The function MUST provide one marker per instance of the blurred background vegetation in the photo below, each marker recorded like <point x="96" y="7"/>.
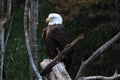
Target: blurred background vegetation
<point x="99" y="20"/>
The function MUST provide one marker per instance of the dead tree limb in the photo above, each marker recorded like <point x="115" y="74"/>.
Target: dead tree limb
<point x="61" y="55"/>
<point x="115" y="76"/>
<point x="58" y="72"/>
<point x="9" y="30"/>
<point x="1" y="50"/>
<point x="33" y="24"/>
<point x="28" y="42"/>
<point x="2" y="24"/>
<point x="96" y="54"/>
<point x="8" y="35"/>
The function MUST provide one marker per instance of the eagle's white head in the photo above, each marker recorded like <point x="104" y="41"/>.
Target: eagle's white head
<point x="54" y="18"/>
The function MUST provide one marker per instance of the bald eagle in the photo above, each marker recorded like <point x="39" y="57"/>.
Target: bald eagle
<point x="56" y="37"/>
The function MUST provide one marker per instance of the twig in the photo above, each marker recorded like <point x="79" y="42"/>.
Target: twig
<point x="7" y="37"/>
<point x="115" y="76"/>
<point x="61" y="55"/>
<point x="28" y="43"/>
<point x="96" y="54"/>
<point x="8" y="33"/>
<point x="58" y="50"/>
<point x="11" y="57"/>
<point x="9" y="8"/>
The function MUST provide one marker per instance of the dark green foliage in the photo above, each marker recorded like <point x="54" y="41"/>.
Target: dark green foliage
<point x="16" y="56"/>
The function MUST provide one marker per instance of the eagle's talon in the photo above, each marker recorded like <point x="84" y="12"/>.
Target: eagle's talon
<point x="67" y="45"/>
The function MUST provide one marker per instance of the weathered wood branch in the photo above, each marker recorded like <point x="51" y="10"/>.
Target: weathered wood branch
<point x="1" y="50"/>
<point x="115" y="76"/>
<point x="33" y="24"/>
<point x="9" y="30"/>
<point x="96" y="54"/>
<point x="61" y="55"/>
<point x="7" y="18"/>
<point x="28" y="42"/>
<point x="58" y="72"/>
<point x="2" y="24"/>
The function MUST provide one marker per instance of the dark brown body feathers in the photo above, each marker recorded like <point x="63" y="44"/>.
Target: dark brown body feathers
<point x="56" y="36"/>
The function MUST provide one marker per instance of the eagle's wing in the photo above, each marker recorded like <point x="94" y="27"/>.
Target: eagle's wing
<point x="43" y="37"/>
<point x="61" y="37"/>
<point x="57" y="38"/>
<point x="48" y="42"/>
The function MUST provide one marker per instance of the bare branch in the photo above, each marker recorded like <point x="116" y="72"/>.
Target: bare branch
<point x="9" y="2"/>
<point x="58" y="50"/>
<point x="1" y="50"/>
<point x="28" y="43"/>
<point x="2" y="44"/>
<point x="115" y="76"/>
<point x="61" y="55"/>
<point x="33" y="24"/>
<point x="58" y="71"/>
<point x="7" y="18"/>
<point x="96" y="54"/>
<point x="8" y="33"/>
<point x="4" y="22"/>
<point x="7" y="36"/>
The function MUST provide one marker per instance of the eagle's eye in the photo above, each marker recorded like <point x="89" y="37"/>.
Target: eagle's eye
<point x="53" y="17"/>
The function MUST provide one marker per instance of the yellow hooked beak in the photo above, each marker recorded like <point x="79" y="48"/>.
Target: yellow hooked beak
<point x="48" y="19"/>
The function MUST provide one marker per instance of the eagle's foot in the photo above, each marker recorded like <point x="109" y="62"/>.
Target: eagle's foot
<point x="67" y="45"/>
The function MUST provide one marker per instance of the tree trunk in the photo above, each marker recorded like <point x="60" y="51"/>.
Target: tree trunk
<point x="33" y="67"/>
<point x="33" y="35"/>
<point x="1" y="50"/>
<point x="1" y="40"/>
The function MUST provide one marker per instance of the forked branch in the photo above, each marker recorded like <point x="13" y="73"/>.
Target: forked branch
<point x="28" y="42"/>
<point x="7" y="18"/>
<point x="96" y="54"/>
